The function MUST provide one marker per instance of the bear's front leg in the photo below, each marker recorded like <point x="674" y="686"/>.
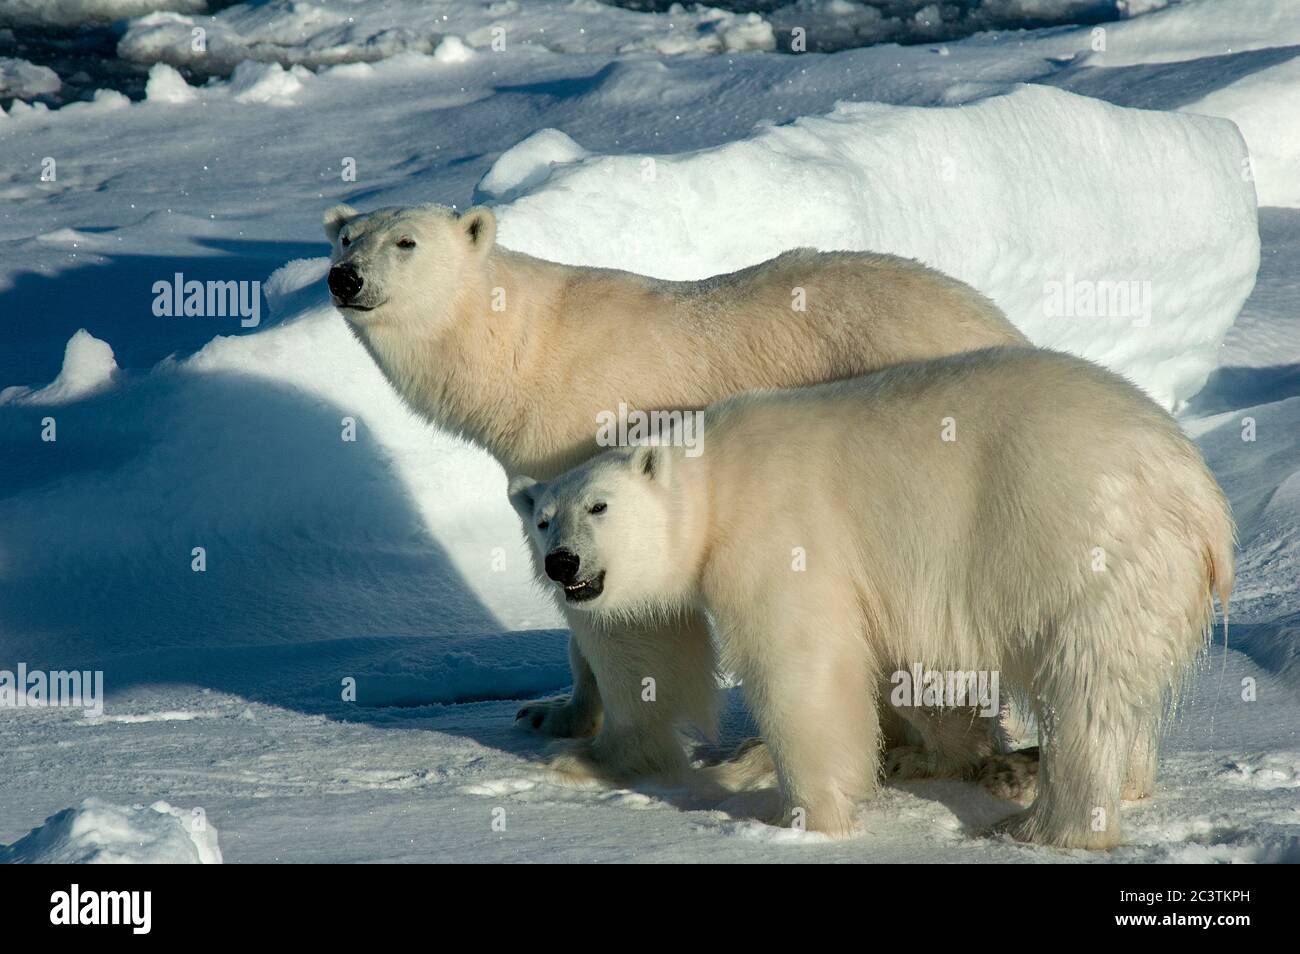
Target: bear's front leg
<point x="653" y="679"/>
<point x="575" y="716"/>
<point x="808" y="680"/>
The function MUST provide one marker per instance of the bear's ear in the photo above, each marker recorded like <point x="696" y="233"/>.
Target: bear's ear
<point x="336" y="218"/>
<point x="651" y="462"/>
<point x="480" y="227"/>
<point x="524" y="492"/>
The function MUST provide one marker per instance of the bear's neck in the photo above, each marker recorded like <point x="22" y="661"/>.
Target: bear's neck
<point x="475" y="375"/>
<point x="690" y="488"/>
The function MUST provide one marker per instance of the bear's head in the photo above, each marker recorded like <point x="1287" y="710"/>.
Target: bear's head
<point x="605" y="532"/>
<point x="397" y="265"/>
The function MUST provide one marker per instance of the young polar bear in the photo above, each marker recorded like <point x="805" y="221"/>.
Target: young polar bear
<point x="521" y="356"/>
<point x="1009" y="510"/>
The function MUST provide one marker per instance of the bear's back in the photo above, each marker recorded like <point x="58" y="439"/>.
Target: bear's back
<point x="1002" y="431"/>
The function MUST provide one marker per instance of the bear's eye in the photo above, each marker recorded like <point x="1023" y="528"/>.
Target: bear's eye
<point x="543" y="525"/>
<point x="406" y="243"/>
<point x="598" y="507"/>
<point x="345" y="241"/>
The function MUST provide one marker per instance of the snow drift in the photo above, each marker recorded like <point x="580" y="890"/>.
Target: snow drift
<point x="97" y="832"/>
<point x="1266" y="108"/>
<point x="1125" y="236"/>
<point x="88" y="367"/>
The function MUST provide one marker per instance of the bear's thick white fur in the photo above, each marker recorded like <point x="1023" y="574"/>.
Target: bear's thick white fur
<point x="519" y="355"/>
<point x="1068" y="536"/>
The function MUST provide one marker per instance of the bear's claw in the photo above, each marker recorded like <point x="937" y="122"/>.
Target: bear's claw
<point x="557" y="718"/>
<point x="1013" y="776"/>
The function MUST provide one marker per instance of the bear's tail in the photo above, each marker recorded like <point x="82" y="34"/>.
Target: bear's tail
<point x="1218" y="533"/>
<point x="1219" y="536"/>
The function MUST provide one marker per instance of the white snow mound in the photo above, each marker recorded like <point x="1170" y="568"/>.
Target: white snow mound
<point x="1266" y="108"/>
<point x="98" y="832"/>
<point x="1125" y="236"/>
<point x="166" y="85"/>
<point x="452" y="49"/>
<point x="254" y="82"/>
<point x="527" y="165"/>
<point x="88" y="367"/>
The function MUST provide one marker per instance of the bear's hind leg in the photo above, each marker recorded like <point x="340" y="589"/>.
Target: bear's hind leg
<point x="1084" y="731"/>
<point x="1143" y="756"/>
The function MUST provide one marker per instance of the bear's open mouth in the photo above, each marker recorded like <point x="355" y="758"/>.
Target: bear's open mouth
<point x="585" y="590"/>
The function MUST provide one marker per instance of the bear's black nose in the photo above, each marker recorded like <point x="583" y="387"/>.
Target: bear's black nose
<point x="344" y="282"/>
<point x="562" y="565"/>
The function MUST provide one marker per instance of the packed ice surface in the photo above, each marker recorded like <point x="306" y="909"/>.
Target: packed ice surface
<point x="339" y="31"/>
<point x="834" y="24"/>
<point x="97" y="832"/>
<point x="74" y="12"/>
<point x="339" y="684"/>
<point x="1057" y="207"/>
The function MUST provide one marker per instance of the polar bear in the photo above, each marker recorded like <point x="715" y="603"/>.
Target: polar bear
<point x="521" y="355"/>
<point x="1010" y="511"/>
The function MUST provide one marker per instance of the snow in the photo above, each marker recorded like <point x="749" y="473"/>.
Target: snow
<point x="524" y="166"/>
<point x="1193" y="29"/>
<point x="339" y="682"/>
<point x="97" y="832"/>
<point x="340" y="31"/>
<point x="452" y="49"/>
<point x="834" y="24"/>
<point x="266" y="83"/>
<point x="717" y="31"/>
<point x="166" y="85"/>
<point x="1266" y="108"/>
<point x="88" y="367"/>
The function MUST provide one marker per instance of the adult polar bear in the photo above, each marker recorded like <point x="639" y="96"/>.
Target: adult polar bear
<point x="520" y="355"/>
<point x="971" y="547"/>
